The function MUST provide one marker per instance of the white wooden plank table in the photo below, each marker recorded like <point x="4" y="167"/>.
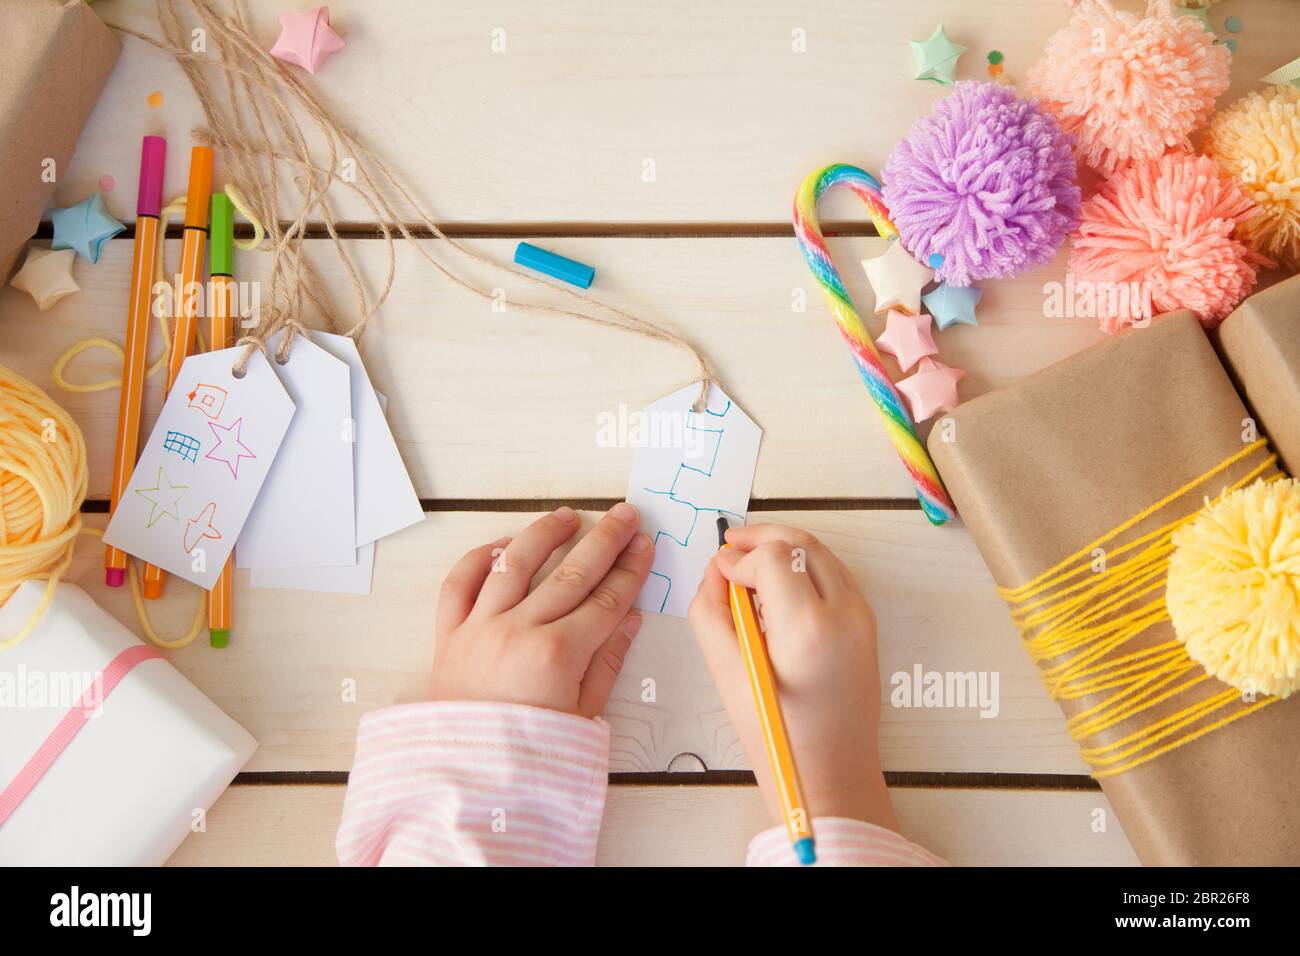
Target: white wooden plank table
<point x="661" y="142"/>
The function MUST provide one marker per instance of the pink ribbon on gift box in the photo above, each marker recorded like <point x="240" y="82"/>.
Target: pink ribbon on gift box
<point x="69" y="725"/>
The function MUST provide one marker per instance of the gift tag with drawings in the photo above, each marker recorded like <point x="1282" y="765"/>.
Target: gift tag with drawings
<point x="203" y="465"/>
<point x="305" y="515"/>
<point x="689" y="468"/>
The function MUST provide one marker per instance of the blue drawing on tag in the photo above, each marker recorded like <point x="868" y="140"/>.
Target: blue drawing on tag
<point x="179" y="443"/>
<point x="671" y="492"/>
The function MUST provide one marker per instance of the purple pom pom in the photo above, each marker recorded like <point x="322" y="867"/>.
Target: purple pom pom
<point x="987" y="181"/>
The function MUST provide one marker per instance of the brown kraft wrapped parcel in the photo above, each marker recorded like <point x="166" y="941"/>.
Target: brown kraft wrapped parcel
<point x="56" y="57"/>
<point x="1260" y="345"/>
<point x="1045" y="467"/>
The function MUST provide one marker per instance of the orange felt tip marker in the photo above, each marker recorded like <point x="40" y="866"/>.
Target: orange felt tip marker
<point x="753" y="650"/>
<point x="189" y="296"/>
<point x="153" y="157"/>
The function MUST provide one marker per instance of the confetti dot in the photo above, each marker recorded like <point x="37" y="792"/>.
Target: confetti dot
<point x="106" y="183"/>
<point x="1232" y="24"/>
<point x="155" y="99"/>
<point x="995" y="69"/>
<point x="936" y="260"/>
<point x="995" y="56"/>
<point x="1231" y="45"/>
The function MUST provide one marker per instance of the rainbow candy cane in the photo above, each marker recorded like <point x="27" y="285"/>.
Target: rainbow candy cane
<point x="936" y="504"/>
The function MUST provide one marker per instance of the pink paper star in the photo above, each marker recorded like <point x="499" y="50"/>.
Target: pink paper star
<point x="907" y="338"/>
<point x="228" y="443"/>
<point x="306" y="38"/>
<point x="933" y="389"/>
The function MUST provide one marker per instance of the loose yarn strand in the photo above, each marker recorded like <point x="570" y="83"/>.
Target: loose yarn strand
<point x="1078" y="633"/>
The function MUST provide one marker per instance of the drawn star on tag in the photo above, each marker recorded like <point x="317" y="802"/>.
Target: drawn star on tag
<point x="164" y="499"/>
<point x="229" y="444"/>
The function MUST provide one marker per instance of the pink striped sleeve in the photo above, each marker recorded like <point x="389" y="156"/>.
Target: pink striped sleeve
<point x="842" y="842"/>
<point x="474" y="784"/>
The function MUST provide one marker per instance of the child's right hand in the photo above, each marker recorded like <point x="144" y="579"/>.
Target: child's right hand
<point x="821" y="638"/>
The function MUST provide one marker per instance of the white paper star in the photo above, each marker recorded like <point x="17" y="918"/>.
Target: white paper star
<point x="46" y="276"/>
<point x="897" y="279"/>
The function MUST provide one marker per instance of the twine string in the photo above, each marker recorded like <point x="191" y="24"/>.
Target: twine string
<point x="255" y="126"/>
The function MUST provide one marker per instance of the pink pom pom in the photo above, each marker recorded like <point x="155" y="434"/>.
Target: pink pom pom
<point x="1167" y="223"/>
<point x="1129" y="87"/>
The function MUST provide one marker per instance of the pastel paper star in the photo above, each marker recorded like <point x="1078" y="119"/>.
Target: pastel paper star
<point x="84" y="227"/>
<point x="229" y="444"/>
<point x="907" y="338"/>
<point x="897" y="279"/>
<point x="306" y="38"/>
<point x="952" y="305"/>
<point x="46" y="276"/>
<point x="933" y="389"/>
<point x="164" y="498"/>
<point x="936" y="58"/>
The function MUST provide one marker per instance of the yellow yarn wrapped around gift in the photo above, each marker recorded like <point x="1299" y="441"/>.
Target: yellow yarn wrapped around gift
<point x="1256" y="141"/>
<point x="1234" y="588"/>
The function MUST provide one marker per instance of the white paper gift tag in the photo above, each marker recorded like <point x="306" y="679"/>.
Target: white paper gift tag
<point x="202" y="467"/>
<point x="386" y="500"/>
<point x="689" y="468"/>
<point x="350" y="579"/>
<point x="305" y="515"/>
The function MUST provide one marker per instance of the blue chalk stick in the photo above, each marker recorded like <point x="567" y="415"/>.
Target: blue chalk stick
<point x="575" y="273"/>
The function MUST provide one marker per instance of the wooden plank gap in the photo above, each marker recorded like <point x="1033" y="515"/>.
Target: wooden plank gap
<point x="99" y="506"/>
<point x="538" y="230"/>
<point x="911" y="779"/>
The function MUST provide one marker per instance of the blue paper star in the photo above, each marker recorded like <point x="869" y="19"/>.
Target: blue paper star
<point x="952" y="305"/>
<point x="84" y="227"/>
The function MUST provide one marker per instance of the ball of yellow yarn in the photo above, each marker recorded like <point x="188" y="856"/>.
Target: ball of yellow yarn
<point x="1256" y="141"/>
<point x="43" y="480"/>
<point x="1234" y="588"/>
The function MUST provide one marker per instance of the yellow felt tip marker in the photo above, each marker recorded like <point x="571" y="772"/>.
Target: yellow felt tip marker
<point x="753" y="651"/>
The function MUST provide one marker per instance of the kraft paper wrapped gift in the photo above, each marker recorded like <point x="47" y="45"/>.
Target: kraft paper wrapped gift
<point x="125" y="790"/>
<point x="1260" y="345"/>
<point x="1046" y="467"/>
<point x="56" y="57"/>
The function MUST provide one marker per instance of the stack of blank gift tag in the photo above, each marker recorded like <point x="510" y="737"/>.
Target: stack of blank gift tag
<point x="337" y="484"/>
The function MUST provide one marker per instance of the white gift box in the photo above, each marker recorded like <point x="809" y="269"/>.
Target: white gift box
<point x="128" y="787"/>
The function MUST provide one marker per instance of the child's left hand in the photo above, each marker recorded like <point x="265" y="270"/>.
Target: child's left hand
<point x="562" y="645"/>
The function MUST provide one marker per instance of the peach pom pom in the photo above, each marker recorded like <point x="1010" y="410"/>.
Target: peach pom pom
<point x="1129" y="87"/>
<point x="1234" y="588"/>
<point x="1256" y="141"/>
<point x="1168" y="223"/>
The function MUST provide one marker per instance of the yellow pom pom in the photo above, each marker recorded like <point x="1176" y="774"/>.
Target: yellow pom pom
<point x="1234" y="588"/>
<point x="1256" y="141"/>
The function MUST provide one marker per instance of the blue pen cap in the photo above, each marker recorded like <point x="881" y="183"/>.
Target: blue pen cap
<point x="805" y="850"/>
<point x="558" y="267"/>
